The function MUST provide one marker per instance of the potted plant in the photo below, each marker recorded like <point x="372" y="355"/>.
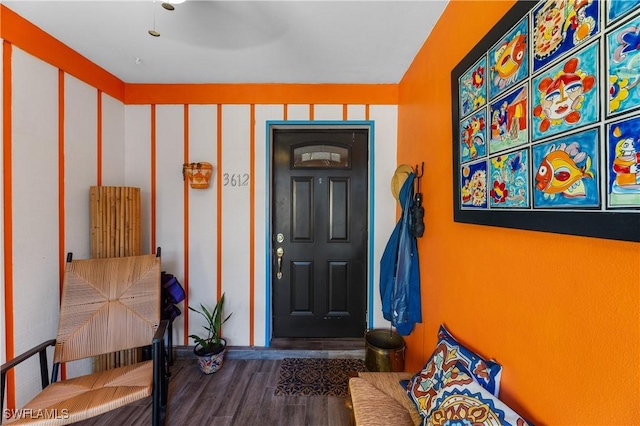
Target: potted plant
<point x="210" y="348"/>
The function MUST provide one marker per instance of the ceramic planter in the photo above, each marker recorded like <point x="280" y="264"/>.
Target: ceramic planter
<point x="212" y="362"/>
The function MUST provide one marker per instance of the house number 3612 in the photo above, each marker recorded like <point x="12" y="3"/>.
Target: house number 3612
<point x="235" y="179"/>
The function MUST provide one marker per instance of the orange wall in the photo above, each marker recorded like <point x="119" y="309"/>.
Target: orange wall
<point x="560" y="313"/>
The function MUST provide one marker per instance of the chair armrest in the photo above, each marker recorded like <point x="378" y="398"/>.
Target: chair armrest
<point x="26" y="355"/>
<point x="160" y="374"/>
<point x="4" y="368"/>
<point x="160" y="332"/>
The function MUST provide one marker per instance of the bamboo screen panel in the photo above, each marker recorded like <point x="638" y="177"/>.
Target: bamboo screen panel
<point x="115" y="232"/>
<point x="115" y="221"/>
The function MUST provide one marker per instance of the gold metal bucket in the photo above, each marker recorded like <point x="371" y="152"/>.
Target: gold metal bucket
<point x="384" y="350"/>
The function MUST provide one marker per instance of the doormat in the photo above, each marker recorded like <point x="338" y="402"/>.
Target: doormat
<point x="316" y="376"/>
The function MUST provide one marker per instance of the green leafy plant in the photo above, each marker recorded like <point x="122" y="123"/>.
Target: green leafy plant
<point x="212" y="342"/>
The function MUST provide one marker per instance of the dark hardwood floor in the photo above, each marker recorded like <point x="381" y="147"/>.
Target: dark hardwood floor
<point x="242" y="392"/>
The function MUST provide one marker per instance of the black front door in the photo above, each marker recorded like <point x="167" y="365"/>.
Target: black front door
<point x="319" y="225"/>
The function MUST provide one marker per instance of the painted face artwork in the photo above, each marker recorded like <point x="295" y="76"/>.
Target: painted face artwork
<point x="562" y="95"/>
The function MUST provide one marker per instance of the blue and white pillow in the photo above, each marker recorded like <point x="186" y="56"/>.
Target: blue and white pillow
<point x="465" y="402"/>
<point x="438" y="371"/>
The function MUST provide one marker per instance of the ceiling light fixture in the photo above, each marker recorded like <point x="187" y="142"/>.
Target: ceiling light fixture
<point x="171" y="5"/>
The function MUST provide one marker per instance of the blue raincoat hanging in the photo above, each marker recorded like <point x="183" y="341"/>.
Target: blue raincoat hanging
<point x="400" y="271"/>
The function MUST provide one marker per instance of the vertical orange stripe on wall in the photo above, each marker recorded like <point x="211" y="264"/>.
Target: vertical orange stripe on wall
<point x="252" y="219"/>
<point x="8" y="216"/>
<point x="344" y="112"/>
<point x="61" y="254"/>
<point x="99" y="140"/>
<point x="366" y="112"/>
<point x="219" y="202"/>
<point x="61" y="228"/>
<point x="311" y="112"/>
<point x="153" y="178"/>
<point x="185" y="281"/>
<point x="285" y="111"/>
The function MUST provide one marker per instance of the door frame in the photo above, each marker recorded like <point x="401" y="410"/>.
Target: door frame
<point x="324" y="124"/>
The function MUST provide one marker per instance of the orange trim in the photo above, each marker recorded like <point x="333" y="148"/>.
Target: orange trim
<point x="33" y="40"/>
<point x="61" y="227"/>
<point x="285" y="113"/>
<point x="261" y="93"/>
<point x="219" y="206"/>
<point x="311" y="112"/>
<point x="153" y="178"/>
<point x="345" y="112"/>
<point x="366" y="112"/>
<point x="7" y="183"/>
<point x="252" y="220"/>
<point x="185" y="281"/>
<point x="99" y="140"/>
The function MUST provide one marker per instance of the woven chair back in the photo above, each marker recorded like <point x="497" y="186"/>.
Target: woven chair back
<point x="108" y="305"/>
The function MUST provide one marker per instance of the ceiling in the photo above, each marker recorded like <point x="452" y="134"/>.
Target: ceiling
<point x="241" y="41"/>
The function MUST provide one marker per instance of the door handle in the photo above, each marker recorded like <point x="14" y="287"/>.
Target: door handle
<point x="279" y="254"/>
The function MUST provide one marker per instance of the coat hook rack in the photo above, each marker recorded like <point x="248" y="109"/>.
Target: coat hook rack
<point x="417" y="211"/>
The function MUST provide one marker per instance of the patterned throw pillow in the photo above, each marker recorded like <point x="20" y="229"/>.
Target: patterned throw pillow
<point x="464" y="402"/>
<point x="424" y="386"/>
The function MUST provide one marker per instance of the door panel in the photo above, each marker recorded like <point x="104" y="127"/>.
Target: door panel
<point x="319" y="205"/>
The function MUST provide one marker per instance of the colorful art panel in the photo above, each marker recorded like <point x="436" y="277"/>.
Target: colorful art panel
<point x="508" y="117"/>
<point x="473" y="88"/>
<point x="562" y="114"/>
<point x="623" y="153"/>
<point x="509" y="180"/>
<point x="620" y="8"/>
<point x="561" y="25"/>
<point x="509" y="59"/>
<point x="473" y="185"/>
<point x="567" y="172"/>
<point x="623" y="59"/>
<point x="473" y="136"/>
<point x="566" y="96"/>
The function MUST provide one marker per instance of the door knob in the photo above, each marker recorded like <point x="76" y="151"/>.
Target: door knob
<point x="279" y="254"/>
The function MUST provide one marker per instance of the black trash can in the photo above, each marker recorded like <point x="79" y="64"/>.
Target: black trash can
<point x="384" y="351"/>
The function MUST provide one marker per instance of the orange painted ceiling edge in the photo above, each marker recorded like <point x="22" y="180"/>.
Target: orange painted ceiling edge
<point x="28" y="37"/>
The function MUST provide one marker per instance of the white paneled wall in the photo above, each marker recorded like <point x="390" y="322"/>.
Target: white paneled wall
<point x="263" y="114"/>
<point x="327" y="112"/>
<point x="385" y="119"/>
<point x="137" y="170"/>
<point x="80" y="171"/>
<point x="170" y="193"/>
<point x="35" y="211"/>
<point x="203" y="128"/>
<point x="113" y="159"/>
<point x="297" y="112"/>
<point x="236" y="155"/>
<point x="80" y="158"/>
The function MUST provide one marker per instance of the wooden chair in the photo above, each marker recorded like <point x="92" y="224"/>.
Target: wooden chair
<point x="107" y="305"/>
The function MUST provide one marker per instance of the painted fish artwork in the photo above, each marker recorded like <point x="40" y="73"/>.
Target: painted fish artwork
<point x="561" y="25"/>
<point x="623" y="57"/>
<point x="620" y="8"/>
<point x="473" y="136"/>
<point x="508" y="120"/>
<point x="473" y="182"/>
<point x="623" y="153"/>
<point x="508" y="59"/>
<point x="509" y="180"/>
<point x="473" y="88"/>
<point x="566" y="96"/>
<point x="567" y="172"/>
